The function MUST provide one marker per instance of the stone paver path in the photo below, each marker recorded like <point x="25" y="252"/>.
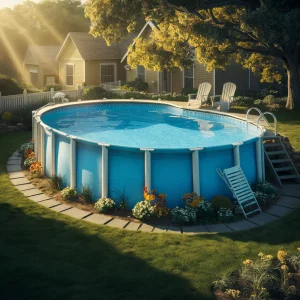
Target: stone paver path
<point x="290" y="199"/>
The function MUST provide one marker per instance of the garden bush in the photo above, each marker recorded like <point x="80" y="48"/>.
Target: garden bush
<point x="104" y="205"/>
<point x="55" y="86"/>
<point x="87" y="194"/>
<point x="184" y="215"/>
<point x="218" y="202"/>
<point x="69" y="194"/>
<point x="243" y="101"/>
<point x="25" y="147"/>
<point x="143" y="210"/>
<point x="135" y="85"/>
<point x="186" y="91"/>
<point x="225" y="214"/>
<point x="56" y="182"/>
<point x="204" y="210"/>
<point x="29" y="161"/>
<point x="94" y="93"/>
<point x="265" y="193"/>
<point x="11" y="86"/>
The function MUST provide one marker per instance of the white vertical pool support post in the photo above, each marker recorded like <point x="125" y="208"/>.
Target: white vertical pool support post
<point x="42" y="147"/>
<point x="147" y="167"/>
<point x="33" y="125"/>
<point x="236" y="153"/>
<point x="72" y="162"/>
<point x="104" y="177"/>
<point x="196" y="170"/>
<point x="259" y="160"/>
<point x="38" y="140"/>
<point x="263" y="160"/>
<point x="52" y="153"/>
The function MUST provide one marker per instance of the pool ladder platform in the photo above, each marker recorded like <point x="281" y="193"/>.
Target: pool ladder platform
<point x="276" y="156"/>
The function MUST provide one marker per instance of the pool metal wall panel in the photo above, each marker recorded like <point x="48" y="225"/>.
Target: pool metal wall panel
<point x="62" y="154"/>
<point x="248" y="161"/>
<point x="88" y="166"/>
<point x="126" y="171"/>
<point x="172" y="175"/>
<point x="211" y="183"/>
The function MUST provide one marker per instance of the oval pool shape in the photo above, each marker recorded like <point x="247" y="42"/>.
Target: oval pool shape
<point x="123" y="145"/>
<point x="148" y="126"/>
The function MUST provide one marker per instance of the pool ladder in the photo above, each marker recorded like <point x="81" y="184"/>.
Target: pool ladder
<point x="276" y="155"/>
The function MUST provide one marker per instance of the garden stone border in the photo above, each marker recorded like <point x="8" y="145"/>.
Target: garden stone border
<point x="289" y="200"/>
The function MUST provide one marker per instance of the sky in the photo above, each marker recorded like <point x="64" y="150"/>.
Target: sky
<point x="12" y="3"/>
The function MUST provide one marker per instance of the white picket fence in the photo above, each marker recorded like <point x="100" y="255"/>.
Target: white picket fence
<point x="13" y="102"/>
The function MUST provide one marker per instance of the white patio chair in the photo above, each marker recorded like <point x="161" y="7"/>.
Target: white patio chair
<point x="201" y="96"/>
<point x="228" y="91"/>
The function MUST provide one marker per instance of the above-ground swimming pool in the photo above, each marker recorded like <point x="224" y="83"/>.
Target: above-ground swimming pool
<point x="122" y="146"/>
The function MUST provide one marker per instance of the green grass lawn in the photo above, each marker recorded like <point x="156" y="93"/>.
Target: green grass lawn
<point x="46" y="255"/>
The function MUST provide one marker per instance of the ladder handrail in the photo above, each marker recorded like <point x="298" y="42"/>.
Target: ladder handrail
<point x="271" y="114"/>
<point x="260" y="113"/>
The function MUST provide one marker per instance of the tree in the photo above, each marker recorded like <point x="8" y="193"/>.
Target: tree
<point x="263" y="35"/>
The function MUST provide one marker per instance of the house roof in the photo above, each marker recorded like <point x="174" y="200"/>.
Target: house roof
<point x="91" y="48"/>
<point x="150" y="24"/>
<point x="44" y="57"/>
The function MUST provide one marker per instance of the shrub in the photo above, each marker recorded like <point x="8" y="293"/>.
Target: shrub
<point x="243" y="101"/>
<point x="93" y="93"/>
<point x="204" y="210"/>
<point x="270" y="100"/>
<point x="225" y="215"/>
<point x="265" y="193"/>
<point x="7" y="116"/>
<point x="143" y="210"/>
<point x="135" y="85"/>
<point x="218" y="202"/>
<point x="184" y="215"/>
<point x="69" y="194"/>
<point x="36" y="169"/>
<point x="87" y="194"/>
<point x="28" y="162"/>
<point x="123" y="200"/>
<point x="105" y="205"/>
<point x="158" y="201"/>
<point x="55" y="86"/>
<point x="192" y="199"/>
<point x="56" y="182"/>
<point x="25" y="147"/>
<point x="186" y="91"/>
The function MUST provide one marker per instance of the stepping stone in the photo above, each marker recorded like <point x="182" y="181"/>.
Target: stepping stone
<point x="278" y="211"/>
<point x="25" y="187"/>
<point x="76" y="213"/>
<point x="194" y="229"/>
<point x="61" y="207"/>
<point x="133" y="226"/>
<point x="13" y="168"/>
<point x="241" y="225"/>
<point x="118" y="223"/>
<point x="39" y="198"/>
<point x="19" y="181"/>
<point x="218" y="228"/>
<point x="262" y="218"/>
<point x="49" y="203"/>
<point x="14" y="162"/>
<point x="174" y="229"/>
<point x="32" y="192"/>
<point x="159" y="229"/>
<point x="146" y="228"/>
<point x="98" y="219"/>
<point x="289" y="200"/>
<point x="289" y="205"/>
<point x="13" y="175"/>
<point x="291" y="190"/>
<point x="16" y="153"/>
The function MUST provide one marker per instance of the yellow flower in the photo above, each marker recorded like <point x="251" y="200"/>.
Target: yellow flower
<point x="269" y="257"/>
<point x="284" y="267"/>
<point x="248" y="262"/>
<point x="281" y="255"/>
<point x="260" y="254"/>
<point x="298" y="249"/>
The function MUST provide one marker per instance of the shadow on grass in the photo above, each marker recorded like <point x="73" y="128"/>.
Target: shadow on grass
<point x="44" y="258"/>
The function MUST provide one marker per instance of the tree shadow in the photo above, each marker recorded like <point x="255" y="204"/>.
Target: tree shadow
<point x="46" y="258"/>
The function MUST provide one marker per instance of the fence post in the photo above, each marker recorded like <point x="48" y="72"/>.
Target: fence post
<point x="52" y="93"/>
<point x="25" y="96"/>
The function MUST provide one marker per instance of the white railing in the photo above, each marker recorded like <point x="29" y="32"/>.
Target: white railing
<point x="14" y="102"/>
<point x="112" y="86"/>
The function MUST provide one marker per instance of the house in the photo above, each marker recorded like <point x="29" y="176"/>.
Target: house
<point x="85" y="60"/>
<point x="40" y="65"/>
<point x="174" y="81"/>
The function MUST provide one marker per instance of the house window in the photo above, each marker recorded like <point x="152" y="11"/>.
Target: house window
<point x="33" y="77"/>
<point x="70" y="75"/>
<point x="188" y="77"/>
<point x="107" y="73"/>
<point x="141" y="73"/>
<point x="50" y="80"/>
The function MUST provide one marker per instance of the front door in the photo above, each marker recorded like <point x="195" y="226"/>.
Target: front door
<point x="166" y="81"/>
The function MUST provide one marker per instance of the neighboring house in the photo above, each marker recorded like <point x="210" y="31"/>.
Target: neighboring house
<point x="174" y="81"/>
<point x="86" y="60"/>
<point x="40" y="65"/>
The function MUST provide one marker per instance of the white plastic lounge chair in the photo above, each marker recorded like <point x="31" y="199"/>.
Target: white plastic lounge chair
<point x="226" y="97"/>
<point x="201" y="96"/>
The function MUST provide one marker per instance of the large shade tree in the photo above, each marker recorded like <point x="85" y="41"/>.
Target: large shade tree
<point x="263" y="35"/>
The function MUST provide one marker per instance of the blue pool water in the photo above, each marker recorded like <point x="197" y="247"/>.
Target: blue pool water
<point x="144" y="126"/>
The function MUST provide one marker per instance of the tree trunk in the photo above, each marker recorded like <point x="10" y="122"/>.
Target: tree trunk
<point x="293" y="99"/>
